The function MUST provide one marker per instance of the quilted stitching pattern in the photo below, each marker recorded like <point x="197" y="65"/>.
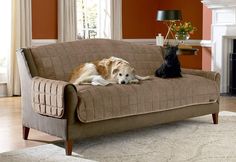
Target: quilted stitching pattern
<point x="58" y="60"/>
<point x="207" y="74"/>
<point x="102" y="103"/>
<point x="48" y="96"/>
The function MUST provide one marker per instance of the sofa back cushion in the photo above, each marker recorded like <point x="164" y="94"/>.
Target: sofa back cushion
<point x="56" y="61"/>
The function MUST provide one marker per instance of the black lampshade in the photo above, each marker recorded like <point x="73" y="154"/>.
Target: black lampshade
<point x="169" y="15"/>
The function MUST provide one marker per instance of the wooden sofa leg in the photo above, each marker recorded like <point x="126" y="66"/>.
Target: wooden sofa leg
<point x="25" y="131"/>
<point x="215" y="118"/>
<point x="68" y="147"/>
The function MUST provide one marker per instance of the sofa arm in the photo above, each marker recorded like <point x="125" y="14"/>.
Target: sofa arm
<point x="206" y="74"/>
<point x="48" y="96"/>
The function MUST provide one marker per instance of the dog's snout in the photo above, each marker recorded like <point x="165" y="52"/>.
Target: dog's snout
<point x="122" y="82"/>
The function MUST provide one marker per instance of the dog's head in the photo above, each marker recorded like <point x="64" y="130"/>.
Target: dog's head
<point x="171" y="57"/>
<point x="123" y="73"/>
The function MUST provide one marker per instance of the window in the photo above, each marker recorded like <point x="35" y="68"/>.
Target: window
<point x="93" y="19"/>
<point x="5" y="39"/>
<point x="87" y="17"/>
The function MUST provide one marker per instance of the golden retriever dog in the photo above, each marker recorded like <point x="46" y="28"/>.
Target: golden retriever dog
<point x="106" y="71"/>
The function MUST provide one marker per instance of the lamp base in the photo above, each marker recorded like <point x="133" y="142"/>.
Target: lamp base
<point x="169" y="25"/>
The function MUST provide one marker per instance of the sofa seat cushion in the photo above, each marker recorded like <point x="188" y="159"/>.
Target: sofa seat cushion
<point x="115" y="101"/>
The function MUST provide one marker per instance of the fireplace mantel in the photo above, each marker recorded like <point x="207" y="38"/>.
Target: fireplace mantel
<point x="214" y="4"/>
<point x="222" y="35"/>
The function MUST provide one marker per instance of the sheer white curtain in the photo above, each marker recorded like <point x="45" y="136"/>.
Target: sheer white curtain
<point x="21" y="37"/>
<point x="5" y="39"/>
<point x="110" y="17"/>
<point x="105" y="19"/>
<point x="66" y="20"/>
<point x="116" y="23"/>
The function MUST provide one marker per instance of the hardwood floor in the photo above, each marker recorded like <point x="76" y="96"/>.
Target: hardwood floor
<point x="11" y="127"/>
<point x="228" y="103"/>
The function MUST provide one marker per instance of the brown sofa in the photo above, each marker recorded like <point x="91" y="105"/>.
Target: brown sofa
<point x="52" y="105"/>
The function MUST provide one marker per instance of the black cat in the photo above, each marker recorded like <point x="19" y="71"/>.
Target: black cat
<point x="171" y="67"/>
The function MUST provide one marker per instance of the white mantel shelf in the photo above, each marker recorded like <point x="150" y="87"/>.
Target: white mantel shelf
<point x="214" y="4"/>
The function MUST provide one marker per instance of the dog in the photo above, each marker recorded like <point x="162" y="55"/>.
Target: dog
<point x="171" y="66"/>
<point x="111" y="70"/>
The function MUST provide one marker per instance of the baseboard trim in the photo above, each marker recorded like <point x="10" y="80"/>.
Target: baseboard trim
<point x="41" y="42"/>
<point x="192" y="42"/>
<point x="3" y="89"/>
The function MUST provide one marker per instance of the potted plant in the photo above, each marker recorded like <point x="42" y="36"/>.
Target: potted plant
<point x="183" y="30"/>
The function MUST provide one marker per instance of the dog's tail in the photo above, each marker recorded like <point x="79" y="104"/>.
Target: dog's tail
<point x="142" y="78"/>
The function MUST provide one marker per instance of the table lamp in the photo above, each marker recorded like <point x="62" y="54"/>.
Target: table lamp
<point x="169" y="17"/>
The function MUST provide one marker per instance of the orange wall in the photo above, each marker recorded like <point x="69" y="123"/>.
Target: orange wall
<point x="192" y="61"/>
<point x="207" y="20"/>
<point x="206" y="52"/>
<point x="206" y="58"/>
<point x="44" y="19"/>
<point x="139" y="22"/>
<point x="191" y="11"/>
<point x="139" y="17"/>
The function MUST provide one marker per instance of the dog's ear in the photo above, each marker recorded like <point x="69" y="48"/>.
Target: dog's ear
<point x="133" y="71"/>
<point x="115" y="71"/>
<point x="108" y="63"/>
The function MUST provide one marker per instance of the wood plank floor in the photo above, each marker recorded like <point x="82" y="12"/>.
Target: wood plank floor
<point x="11" y="128"/>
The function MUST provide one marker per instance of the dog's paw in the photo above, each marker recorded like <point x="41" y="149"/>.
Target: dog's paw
<point x="76" y="82"/>
<point x="142" y="78"/>
<point x="135" y="81"/>
<point x="148" y="78"/>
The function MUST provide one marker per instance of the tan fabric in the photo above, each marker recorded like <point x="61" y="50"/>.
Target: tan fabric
<point x="114" y="101"/>
<point x="69" y="127"/>
<point x="84" y="130"/>
<point x="48" y="96"/>
<point x="98" y="103"/>
<point x="207" y="74"/>
<point x="58" y="60"/>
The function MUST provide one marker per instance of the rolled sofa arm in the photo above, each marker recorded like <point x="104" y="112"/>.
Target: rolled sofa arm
<point x="48" y="96"/>
<point x="206" y="74"/>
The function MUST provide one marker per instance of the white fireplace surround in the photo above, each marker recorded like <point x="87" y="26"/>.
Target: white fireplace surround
<point x="216" y="4"/>
<point x="223" y="32"/>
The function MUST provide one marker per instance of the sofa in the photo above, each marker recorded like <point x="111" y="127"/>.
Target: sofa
<point x="53" y="105"/>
